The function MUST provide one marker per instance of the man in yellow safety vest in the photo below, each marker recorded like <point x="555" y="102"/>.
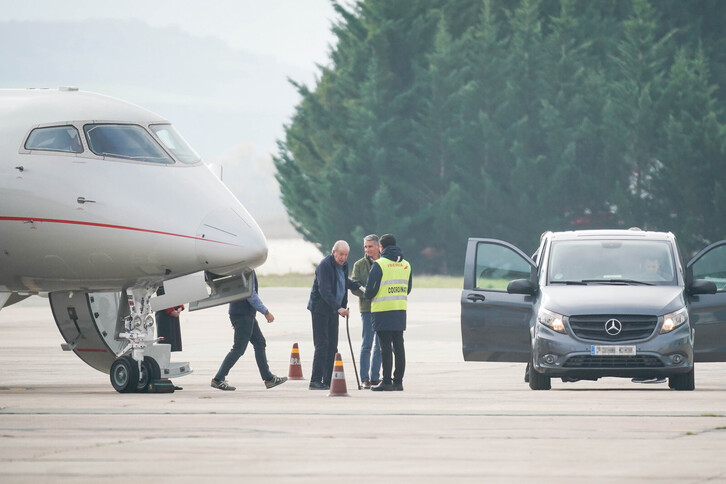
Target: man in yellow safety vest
<point x="388" y="286"/>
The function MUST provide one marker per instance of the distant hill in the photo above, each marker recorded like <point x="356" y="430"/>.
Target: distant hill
<point x="219" y="98"/>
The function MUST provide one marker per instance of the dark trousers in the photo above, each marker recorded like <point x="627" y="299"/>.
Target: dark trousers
<point x="246" y="330"/>
<point x="325" y="339"/>
<point x="392" y="346"/>
<point x="168" y="327"/>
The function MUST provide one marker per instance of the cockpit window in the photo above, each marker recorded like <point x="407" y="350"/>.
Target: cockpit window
<point x="55" y="138"/>
<point x="128" y="141"/>
<point x="173" y="142"/>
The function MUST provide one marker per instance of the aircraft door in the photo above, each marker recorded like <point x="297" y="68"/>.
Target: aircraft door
<point x="89" y="323"/>
<point x="494" y="323"/>
<point x="708" y="311"/>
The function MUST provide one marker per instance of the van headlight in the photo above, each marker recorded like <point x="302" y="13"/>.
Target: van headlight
<point x="672" y="320"/>
<point x="554" y="321"/>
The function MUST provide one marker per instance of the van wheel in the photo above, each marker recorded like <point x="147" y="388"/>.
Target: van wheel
<point x="538" y="381"/>
<point x="685" y="381"/>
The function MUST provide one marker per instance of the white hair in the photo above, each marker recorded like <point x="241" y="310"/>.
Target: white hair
<point x="341" y="244"/>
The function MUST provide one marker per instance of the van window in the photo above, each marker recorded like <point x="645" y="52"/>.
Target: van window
<point x="127" y="141"/>
<point x="497" y="265"/>
<point x="55" y="138"/>
<point x="712" y="267"/>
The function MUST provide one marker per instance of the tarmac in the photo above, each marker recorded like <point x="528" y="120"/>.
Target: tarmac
<point x="456" y="421"/>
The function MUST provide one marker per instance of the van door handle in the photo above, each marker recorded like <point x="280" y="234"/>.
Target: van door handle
<point x="83" y="200"/>
<point x="475" y="297"/>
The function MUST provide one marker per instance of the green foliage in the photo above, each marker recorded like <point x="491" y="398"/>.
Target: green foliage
<point x="436" y="121"/>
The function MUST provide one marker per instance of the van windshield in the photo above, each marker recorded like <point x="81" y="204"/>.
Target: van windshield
<point x="612" y="261"/>
<point x="127" y="141"/>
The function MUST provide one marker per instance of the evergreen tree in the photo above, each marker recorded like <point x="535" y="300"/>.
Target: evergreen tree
<point x="441" y="120"/>
<point x="688" y="196"/>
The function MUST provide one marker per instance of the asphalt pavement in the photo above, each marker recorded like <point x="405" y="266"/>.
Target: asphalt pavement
<point x="456" y="421"/>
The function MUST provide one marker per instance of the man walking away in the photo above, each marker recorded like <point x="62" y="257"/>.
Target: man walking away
<point x="246" y="330"/>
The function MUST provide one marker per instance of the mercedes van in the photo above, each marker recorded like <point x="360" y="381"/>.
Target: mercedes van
<point x="593" y="304"/>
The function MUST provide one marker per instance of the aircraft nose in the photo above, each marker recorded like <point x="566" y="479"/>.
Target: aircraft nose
<point x="230" y="241"/>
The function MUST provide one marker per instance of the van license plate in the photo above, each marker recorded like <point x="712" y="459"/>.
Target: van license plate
<point x="618" y="350"/>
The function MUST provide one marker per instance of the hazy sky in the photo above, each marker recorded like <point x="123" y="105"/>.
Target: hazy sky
<point x="294" y="31"/>
<point x="232" y="113"/>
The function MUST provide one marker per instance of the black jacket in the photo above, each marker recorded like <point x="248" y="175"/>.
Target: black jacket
<point x="248" y="307"/>
<point x="323" y="295"/>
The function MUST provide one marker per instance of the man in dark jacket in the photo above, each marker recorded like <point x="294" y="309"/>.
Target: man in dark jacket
<point x="328" y="301"/>
<point x="388" y="286"/>
<point x="246" y="330"/>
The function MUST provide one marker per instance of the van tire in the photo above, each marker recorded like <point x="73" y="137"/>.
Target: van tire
<point x="538" y="381"/>
<point x="683" y="382"/>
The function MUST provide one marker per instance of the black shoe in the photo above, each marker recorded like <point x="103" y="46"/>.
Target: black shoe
<point x="384" y="387"/>
<point x="317" y="385"/>
<point x="397" y="387"/>
<point x="274" y="381"/>
<point x="178" y="388"/>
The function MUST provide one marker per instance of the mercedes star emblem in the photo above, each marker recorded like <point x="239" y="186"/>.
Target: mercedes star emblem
<point x="613" y="327"/>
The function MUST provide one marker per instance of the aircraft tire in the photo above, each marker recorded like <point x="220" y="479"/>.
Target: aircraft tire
<point x="150" y="371"/>
<point x="124" y="374"/>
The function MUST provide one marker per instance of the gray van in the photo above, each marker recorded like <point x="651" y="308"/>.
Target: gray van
<point x="597" y="303"/>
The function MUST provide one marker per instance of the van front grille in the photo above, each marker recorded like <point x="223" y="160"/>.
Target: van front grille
<point x="593" y="327"/>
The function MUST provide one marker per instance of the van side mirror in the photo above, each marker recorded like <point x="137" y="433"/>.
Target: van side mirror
<point x="523" y="286"/>
<point x="702" y="286"/>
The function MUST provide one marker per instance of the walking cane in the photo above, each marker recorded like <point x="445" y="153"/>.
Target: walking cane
<point x="347" y="328"/>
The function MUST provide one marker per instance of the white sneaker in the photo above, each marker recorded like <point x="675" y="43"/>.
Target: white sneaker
<point x="222" y="385"/>
<point x="649" y="380"/>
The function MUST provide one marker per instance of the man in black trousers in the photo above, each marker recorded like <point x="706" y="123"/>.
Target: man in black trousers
<point x="328" y="301"/>
<point x="388" y="286"/>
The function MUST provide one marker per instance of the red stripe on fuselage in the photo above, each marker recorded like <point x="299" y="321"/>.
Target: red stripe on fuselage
<point x="107" y="226"/>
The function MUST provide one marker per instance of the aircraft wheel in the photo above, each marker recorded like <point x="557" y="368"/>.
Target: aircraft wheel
<point x="150" y="371"/>
<point x="124" y="374"/>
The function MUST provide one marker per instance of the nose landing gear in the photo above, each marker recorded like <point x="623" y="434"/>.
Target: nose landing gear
<point x="135" y="370"/>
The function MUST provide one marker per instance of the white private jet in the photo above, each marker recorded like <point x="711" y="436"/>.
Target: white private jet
<point x="100" y="198"/>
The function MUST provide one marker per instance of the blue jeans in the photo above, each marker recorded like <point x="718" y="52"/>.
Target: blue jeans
<point x="369" y="340"/>
<point x="246" y="330"/>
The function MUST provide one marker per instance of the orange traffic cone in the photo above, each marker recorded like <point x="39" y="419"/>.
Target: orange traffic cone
<point x="295" y="372"/>
<point x="337" y="384"/>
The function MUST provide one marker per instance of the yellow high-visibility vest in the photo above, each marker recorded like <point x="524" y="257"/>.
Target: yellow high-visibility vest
<point x="393" y="292"/>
